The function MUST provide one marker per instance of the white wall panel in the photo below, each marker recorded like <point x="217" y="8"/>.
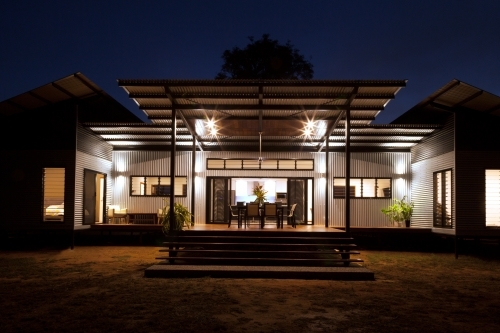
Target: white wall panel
<point x="146" y="163"/>
<point x="367" y="212"/>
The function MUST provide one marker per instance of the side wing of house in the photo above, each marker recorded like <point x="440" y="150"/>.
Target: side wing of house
<point x="477" y="174"/>
<point x="38" y="163"/>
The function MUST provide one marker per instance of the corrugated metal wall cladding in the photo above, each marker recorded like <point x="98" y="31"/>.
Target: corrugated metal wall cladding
<point x="89" y="143"/>
<point x="138" y="163"/>
<point x="367" y="212"/>
<point x="439" y="143"/>
<point x="372" y="164"/>
<point x="470" y="190"/>
<point x="86" y="161"/>
<point x="433" y="154"/>
<point x="422" y="187"/>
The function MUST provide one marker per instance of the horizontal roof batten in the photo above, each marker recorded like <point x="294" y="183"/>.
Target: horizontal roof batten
<point x="257" y="83"/>
<point x="261" y="107"/>
<point x="265" y="96"/>
<point x="146" y="140"/>
<point x="290" y="117"/>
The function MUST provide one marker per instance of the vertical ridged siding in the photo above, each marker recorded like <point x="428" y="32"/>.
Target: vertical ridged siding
<point x="431" y="155"/>
<point x="146" y="163"/>
<point x="89" y="143"/>
<point x="439" y="143"/>
<point x="86" y="161"/>
<point x="367" y="212"/>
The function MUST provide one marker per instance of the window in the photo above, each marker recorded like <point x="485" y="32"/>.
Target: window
<point x="363" y="187"/>
<point x="492" y="190"/>
<point x="255" y="164"/>
<point x="157" y="186"/>
<point x="442" y="199"/>
<point x="53" y="194"/>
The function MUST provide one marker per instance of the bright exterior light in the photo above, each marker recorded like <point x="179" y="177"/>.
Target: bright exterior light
<point x="309" y="128"/>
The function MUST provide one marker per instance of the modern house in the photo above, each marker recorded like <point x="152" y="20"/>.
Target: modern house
<point x="312" y="143"/>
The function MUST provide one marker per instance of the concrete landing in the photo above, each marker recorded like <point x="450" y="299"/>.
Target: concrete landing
<point x="260" y="272"/>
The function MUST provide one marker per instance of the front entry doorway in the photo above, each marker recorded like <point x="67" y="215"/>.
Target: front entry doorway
<point x="93" y="197"/>
<point x="223" y="192"/>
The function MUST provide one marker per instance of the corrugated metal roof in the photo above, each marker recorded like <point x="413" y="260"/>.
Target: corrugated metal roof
<point x="453" y="96"/>
<point x="279" y="110"/>
<point x="76" y="87"/>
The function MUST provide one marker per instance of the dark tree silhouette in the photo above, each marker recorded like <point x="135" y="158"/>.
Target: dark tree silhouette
<point x="265" y="59"/>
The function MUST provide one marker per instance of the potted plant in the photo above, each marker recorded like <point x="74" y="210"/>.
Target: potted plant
<point x="259" y="191"/>
<point x="400" y="211"/>
<point x="182" y="218"/>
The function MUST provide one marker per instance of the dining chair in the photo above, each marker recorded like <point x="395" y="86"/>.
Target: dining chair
<point x="271" y="211"/>
<point x="290" y="218"/>
<point x="252" y="211"/>
<point x="233" y="215"/>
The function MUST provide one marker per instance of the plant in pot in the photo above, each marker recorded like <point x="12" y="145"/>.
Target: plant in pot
<point x="260" y="193"/>
<point x="400" y="211"/>
<point x="182" y="218"/>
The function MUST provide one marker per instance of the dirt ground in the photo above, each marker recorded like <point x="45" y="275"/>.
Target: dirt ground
<point x="103" y="289"/>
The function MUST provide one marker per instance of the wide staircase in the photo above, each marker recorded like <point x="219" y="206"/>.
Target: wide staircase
<point x="269" y="254"/>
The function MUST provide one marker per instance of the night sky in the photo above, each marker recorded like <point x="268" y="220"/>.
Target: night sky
<point x="426" y="42"/>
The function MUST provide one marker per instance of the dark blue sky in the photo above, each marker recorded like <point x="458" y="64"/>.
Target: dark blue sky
<point x="427" y="42"/>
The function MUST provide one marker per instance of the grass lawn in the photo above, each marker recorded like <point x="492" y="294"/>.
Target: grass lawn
<point x="102" y="289"/>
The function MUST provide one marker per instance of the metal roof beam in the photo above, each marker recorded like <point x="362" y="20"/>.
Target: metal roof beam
<point x="191" y="131"/>
<point x="46" y="101"/>
<point x="287" y="107"/>
<point x="264" y="96"/>
<point x="330" y="130"/>
<point x="470" y="98"/>
<point x="55" y="85"/>
<point x="149" y="140"/>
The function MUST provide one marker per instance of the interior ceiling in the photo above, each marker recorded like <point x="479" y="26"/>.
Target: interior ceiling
<point x="253" y="115"/>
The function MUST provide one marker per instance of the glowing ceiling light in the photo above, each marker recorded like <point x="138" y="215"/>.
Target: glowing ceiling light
<point x="211" y="124"/>
<point x="213" y="131"/>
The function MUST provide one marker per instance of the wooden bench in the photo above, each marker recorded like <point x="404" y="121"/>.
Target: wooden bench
<point x="143" y="218"/>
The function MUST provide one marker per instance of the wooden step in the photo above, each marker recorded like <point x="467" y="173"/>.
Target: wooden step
<point x="260" y="261"/>
<point x="258" y="251"/>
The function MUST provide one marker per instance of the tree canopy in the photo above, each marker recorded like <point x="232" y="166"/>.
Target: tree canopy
<point x="265" y="59"/>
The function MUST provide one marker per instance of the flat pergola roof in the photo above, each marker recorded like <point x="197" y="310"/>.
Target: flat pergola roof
<point x="271" y="115"/>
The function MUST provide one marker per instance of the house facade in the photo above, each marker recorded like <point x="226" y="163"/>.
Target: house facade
<point x="210" y="142"/>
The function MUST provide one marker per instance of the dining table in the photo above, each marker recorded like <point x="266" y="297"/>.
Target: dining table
<point x="242" y="211"/>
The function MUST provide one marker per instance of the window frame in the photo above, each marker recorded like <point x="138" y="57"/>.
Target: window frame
<point x="338" y="196"/>
<point x="444" y="207"/>
<point x="249" y="164"/>
<point x="56" y="215"/>
<point x="155" y="186"/>
<point x="487" y="199"/>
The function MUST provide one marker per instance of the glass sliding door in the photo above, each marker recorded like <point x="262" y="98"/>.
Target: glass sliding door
<point x="218" y="199"/>
<point x="300" y="193"/>
<point x="442" y="206"/>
